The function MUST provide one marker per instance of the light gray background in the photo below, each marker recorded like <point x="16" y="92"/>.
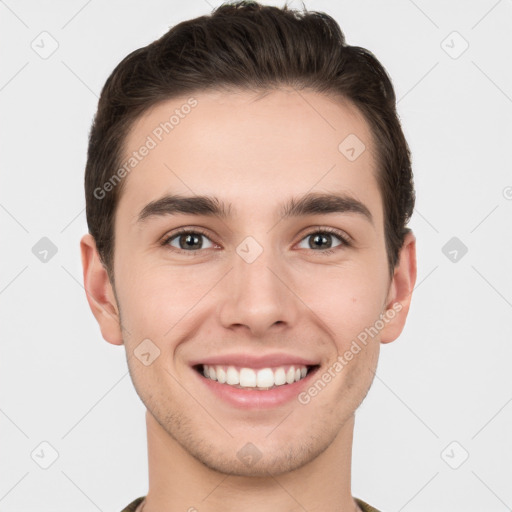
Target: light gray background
<point x="446" y="379"/>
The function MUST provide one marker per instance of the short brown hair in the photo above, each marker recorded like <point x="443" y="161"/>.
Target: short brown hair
<point x="246" y="45"/>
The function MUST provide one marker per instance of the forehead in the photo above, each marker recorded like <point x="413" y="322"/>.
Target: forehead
<point x="249" y="149"/>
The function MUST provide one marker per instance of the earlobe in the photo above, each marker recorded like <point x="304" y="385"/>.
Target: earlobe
<point x="99" y="292"/>
<point x="400" y="291"/>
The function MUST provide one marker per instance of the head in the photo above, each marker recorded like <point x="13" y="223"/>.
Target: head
<point x="254" y="48"/>
<point x="264" y="113"/>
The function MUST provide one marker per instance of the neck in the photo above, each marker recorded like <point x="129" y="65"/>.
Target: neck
<point x="178" y="481"/>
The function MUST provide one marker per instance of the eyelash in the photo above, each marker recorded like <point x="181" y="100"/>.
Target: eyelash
<point x="345" y="241"/>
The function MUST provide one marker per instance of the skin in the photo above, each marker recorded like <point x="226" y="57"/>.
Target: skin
<point x="254" y="152"/>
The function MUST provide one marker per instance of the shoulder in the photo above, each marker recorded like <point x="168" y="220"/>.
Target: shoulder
<point x="364" y="506"/>
<point x="132" y="507"/>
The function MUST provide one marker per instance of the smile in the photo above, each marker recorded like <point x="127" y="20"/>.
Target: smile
<point x="254" y="378"/>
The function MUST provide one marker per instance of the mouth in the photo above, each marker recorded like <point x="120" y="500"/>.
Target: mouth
<point x="255" y="379"/>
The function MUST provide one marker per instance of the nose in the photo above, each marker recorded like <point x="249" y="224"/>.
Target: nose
<point x="258" y="295"/>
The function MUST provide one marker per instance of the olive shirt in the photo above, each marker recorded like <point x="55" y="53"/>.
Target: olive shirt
<point x="132" y="507"/>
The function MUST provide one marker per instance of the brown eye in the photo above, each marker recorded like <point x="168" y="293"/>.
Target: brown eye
<point x="188" y="241"/>
<point x="324" y="239"/>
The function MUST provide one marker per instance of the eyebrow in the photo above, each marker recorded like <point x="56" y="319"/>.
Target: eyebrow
<point x="309" y="204"/>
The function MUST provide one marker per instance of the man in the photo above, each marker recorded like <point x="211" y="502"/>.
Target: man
<point x="248" y="187"/>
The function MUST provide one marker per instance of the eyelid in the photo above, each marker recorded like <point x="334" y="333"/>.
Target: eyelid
<point x="345" y="239"/>
<point x="185" y="230"/>
<point x="342" y="235"/>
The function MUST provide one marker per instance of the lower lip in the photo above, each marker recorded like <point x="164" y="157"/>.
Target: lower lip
<point x="254" y="398"/>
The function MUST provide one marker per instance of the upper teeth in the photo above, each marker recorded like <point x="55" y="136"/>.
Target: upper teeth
<point x="249" y="378"/>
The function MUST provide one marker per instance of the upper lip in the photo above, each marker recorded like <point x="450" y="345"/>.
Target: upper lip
<point x="255" y="361"/>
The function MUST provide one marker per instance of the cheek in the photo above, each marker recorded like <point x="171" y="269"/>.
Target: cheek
<point x="347" y="300"/>
<point x="159" y="300"/>
<point x="156" y="298"/>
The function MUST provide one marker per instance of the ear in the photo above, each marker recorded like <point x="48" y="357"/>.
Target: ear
<point x="99" y="291"/>
<point x="400" y="291"/>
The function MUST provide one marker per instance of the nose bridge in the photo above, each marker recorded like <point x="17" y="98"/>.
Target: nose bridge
<point x="256" y="295"/>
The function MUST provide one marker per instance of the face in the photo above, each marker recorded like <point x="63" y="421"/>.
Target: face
<point x="262" y="274"/>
